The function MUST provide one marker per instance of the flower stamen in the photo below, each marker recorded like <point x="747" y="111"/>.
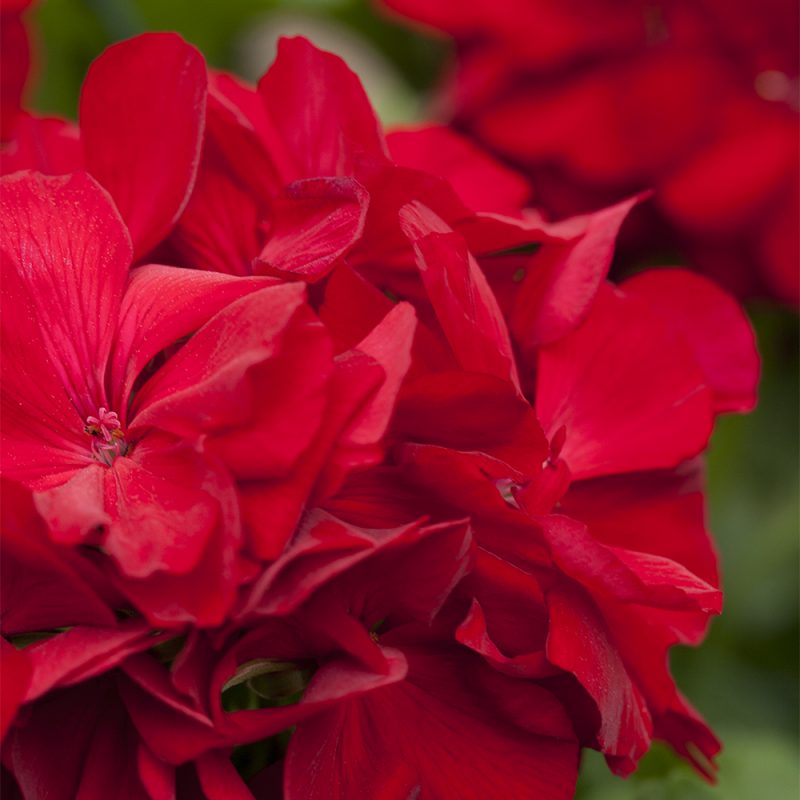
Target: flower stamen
<point x="108" y="438"/>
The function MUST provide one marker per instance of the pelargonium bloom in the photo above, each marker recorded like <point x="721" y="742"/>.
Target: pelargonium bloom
<point x="146" y="458"/>
<point x="425" y="485"/>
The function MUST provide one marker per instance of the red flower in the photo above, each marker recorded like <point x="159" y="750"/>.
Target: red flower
<point x="150" y="472"/>
<point x="532" y="79"/>
<point x="424" y="489"/>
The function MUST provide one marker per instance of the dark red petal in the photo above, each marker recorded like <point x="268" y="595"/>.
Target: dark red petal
<point x="272" y="510"/>
<point x="644" y="637"/>
<point x="81" y="653"/>
<point x="221" y="228"/>
<point x="389" y="345"/>
<point x="204" y="594"/>
<point x="77" y="743"/>
<point x="626" y="389"/>
<point x="16" y="668"/>
<point x="437" y="734"/>
<point x="714" y="326"/>
<point x="313" y="223"/>
<point x="142" y="115"/>
<point x="198" y="389"/>
<point x="41" y="587"/>
<point x="474" y="412"/>
<point x="626" y="575"/>
<point x="322" y="133"/>
<point x="578" y="642"/>
<point x="15" y="54"/>
<point x="219" y="778"/>
<point x="170" y="727"/>
<point x="157" y="777"/>
<point x="507" y="620"/>
<point x="654" y="512"/>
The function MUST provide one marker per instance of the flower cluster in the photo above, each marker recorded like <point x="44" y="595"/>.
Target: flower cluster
<point x="594" y="100"/>
<point x="327" y="470"/>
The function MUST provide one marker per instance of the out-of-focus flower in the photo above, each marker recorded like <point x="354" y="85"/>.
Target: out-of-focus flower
<point x="597" y="100"/>
<point x="15" y="62"/>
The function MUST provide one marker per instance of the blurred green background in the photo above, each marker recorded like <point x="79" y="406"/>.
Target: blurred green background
<point x="745" y="678"/>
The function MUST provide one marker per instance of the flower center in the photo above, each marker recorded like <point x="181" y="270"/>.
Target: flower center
<point x="108" y="438"/>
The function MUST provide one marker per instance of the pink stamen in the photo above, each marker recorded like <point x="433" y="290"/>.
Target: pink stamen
<point x="108" y="437"/>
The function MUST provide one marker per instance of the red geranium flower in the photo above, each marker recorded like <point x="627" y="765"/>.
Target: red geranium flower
<point x="143" y="458"/>
<point x="426" y="488"/>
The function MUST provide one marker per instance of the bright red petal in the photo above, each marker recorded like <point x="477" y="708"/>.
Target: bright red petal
<point x="161" y="306"/>
<point x="626" y="389"/>
<point x="142" y="115"/>
<point x="713" y="325"/>
<point x="461" y="297"/>
<point x="319" y="133"/>
<point x="313" y="223"/>
<point x="65" y="261"/>
<point x="562" y="280"/>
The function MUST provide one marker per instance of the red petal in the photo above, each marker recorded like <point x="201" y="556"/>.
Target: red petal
<point x="313" y="223"/>
<point x="220" y="229"/>
<point x="579" y="643"/>
<point x="252" y="328"/>
<point x="16" y="58"/>
<point x="473" y="412"/>
<point x="713" y="325"/>
<point x="40" y="589"/>
<point x="626" y="575"/>
<point x="627" y="390"/>
<point x="16" y="668"/>
<point x="163" y="305"/>
<point x="388" y="344"/>
<point x="70" y="252"/>
<point x="219" y="778"/>
<point x="431" y="735"/>
<point x="323" y="132"/>
<point x="161" y="515"/>
<point x="562" y="280"/>
<point x="272" y="510"/>
<point x="46" y="144"/>
<point x="142" y="114"/>
<point x="77" y="744"/>
<point x="655" y="512"/>
<point x="81" y="653"/>
<point x="464" y="304"/>
<point x="481" y="182"/>
<point x="507" y="622"/>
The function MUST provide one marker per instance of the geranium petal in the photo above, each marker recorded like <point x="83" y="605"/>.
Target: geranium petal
<point x="714" y="326"/>
<point x="313" y="223"/>
<point x="434" y="734"/>
<point x="626" y="389"/>
<point x="142" y="115"/>
<point x="71" y="253"/>
<point x="321" y="133"/>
